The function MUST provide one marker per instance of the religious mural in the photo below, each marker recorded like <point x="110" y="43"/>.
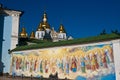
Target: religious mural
<point x="88" y="62"/>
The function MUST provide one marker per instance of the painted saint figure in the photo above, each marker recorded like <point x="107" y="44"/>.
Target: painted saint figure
<point x="46" y="66"/>
<point x="87" y="62"/>
<point x="104" y="60"/>
<point x="74" y="65"/>
<point x="67" y="66"/>
<point x="13" y="64"/>
<point x="18" y="63"/>
<point x="61" y="66"/>
<point x="27" y="65"/>
<point x="41" y="67"/>
<point x="83" y="65"/>
<point x="22" y="64"/>
<point x="99" y="59"/>
<point x="94" y="64"/>
<point x="35" y="65"/>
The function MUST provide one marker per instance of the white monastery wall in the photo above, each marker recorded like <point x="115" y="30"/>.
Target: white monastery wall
<point x="116" y="52"/>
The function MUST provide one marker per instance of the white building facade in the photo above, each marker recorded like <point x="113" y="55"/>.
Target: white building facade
<point x="9" y="26"/>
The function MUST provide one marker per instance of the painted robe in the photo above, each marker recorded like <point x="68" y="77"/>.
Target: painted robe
<point x="83" y="65"/>
<point x="74" y="65"/>
<point x="41" y="69"/>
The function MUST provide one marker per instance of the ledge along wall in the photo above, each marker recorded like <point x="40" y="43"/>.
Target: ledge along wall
<point x="94" y="60"/>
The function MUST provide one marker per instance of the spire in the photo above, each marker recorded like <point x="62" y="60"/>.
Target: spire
<point x="44" y="17"/>
<point x="61" y="29"/>
<point x="32" y="35"/>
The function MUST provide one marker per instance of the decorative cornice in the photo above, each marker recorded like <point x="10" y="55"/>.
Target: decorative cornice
<point x="116" y="41"/>
<point x="10" y="12"/>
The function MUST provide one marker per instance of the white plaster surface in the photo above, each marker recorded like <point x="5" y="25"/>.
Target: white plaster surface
<point x="15" y="28"/>
<point x="116" y="52"/>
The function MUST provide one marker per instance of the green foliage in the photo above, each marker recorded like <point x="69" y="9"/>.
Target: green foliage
<point x="37" y="41"/>
<point x="103" y="32"/>
<point x="22" y="41"/>
<point x="45" y="44"/>
<point x="115" y="31"/>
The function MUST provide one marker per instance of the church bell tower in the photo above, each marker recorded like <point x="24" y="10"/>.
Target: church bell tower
<point x="9" y="25"/>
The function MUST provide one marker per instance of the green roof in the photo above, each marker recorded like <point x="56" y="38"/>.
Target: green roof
<point x="41" y="44"/>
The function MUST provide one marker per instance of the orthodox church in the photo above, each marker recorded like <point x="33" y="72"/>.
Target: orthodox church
<point x="94" y="60"/>
<point x="45" y="32"/>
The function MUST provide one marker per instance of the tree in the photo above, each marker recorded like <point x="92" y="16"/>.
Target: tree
<point x="103" y="32"/>
<point x="115" y="31"/>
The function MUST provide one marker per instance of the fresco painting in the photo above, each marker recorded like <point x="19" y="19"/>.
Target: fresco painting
<point x="88" y="62"/>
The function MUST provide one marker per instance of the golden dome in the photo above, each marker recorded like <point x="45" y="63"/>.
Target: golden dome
<point x="61" y="29"/>
<point x="44" y="24"/>
<point x="40" y="28"/>
<point x="32" y="35"/>
<point x="23" y="34"/>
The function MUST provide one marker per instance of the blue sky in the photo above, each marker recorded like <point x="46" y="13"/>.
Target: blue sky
<point x="81" y="18"/>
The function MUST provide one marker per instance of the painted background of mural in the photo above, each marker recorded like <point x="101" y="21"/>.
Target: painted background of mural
<point x="87" y="62"/>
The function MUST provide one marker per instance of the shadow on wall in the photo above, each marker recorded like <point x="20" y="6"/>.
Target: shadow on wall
<point x="1" y="41"/>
